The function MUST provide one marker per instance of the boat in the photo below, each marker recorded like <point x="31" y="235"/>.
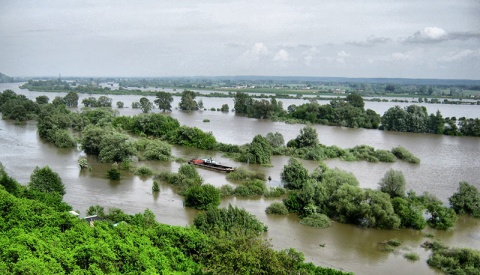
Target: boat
<point x="211" y="164"/>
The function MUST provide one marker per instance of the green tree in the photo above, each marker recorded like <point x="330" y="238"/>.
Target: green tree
<point x="294" y="175"/>
<point x="441" y="217"/>
<point x="120" y="104"/>
<point x="259" y="151"/>
<point x="71" y="99"/>
<point x="393" y="183"/>
<point x="187" y="102"/>
<point x="202" y="197"/>
<point x="58" y="101"/>
<point x="116" y="147"/>
<point x="104" y="101"/>
<point x="275" y="139"/>
<point x="92" y="138"/>
<point x="241" y="102"/>
<point x="466" y="200"/>
<point x="164" y="101"/>
<point x="225" y="108"/>
<point x="43" y="99"/>
<point x="410" y="214"/>
<point x="145" y="105"/>
<point x="46" y="180"/>
<point x="355" y="100"/>
<point x="231" y="219"/>
<point x="308" y="137"/>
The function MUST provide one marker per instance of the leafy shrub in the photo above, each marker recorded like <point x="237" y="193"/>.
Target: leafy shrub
<point x="226" y="190"/>
<point x="143" y="171"/>
<point x="466" y="200"/>
<point x="155" y="186"/>
<point x="317" y="220"/>
<point x="274" y="192"/>
<point x="242" y="174"/>
<point x="156" y="150"/>
<point x="411" y="256"/>
<point x="405" y="155"/>
<point x="206" y="120"/>
<point x="202" y="197"/>
<point x="394" y="242"/>
<point x="113" y="174"/>
<point x="385" y="156"/>
<point x="251" y="188"/>
<point x="229" y="220"/>
<point x="453" y="260"/>
<point x="277" y="208"/>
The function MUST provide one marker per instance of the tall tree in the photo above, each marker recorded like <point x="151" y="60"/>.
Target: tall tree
<point x="145" y="105"/>
<point x="71" y="99"/>
<point x="241" y="102"/>
<point x="355" y="100"/>
<point x="187" y="102"/>
<point x="164" y="101"/>
<point x="393" y="183"/>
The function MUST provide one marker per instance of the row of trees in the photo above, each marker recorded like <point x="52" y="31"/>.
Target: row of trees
<point x="336" y="194"/>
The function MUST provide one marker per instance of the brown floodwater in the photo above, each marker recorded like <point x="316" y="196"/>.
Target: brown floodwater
<point x="445" y="161"/>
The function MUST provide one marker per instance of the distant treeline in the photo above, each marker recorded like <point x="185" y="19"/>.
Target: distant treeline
<point x="453" y="89"/>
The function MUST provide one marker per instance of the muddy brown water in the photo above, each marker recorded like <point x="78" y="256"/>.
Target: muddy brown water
<point x="445" y="161"/>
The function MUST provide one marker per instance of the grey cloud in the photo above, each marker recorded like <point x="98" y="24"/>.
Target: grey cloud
<point x="437" y="35"/>
<point x="370" y="41"/>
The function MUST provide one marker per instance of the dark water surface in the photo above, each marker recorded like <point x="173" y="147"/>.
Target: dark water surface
<point x="445" y="161"/>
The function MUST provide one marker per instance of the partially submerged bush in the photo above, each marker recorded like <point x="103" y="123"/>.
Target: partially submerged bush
<point x="317" y="220"/>
<point x="277" y="208"/>
<point x="405" y="155"/>
<point x="243" y="174"/>
<point x="143" y="171"/>
<point x="411" y="256"/>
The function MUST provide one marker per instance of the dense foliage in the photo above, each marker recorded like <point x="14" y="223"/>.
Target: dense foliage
<point x="466" y="200"/>
<point x="337" y="194"/>
<point x="230" y="219"/>
<point x="202" y="197"/>
<point x="453" y="260"/>
<point x="393" y="183"/>
<point x="39" y="236"/>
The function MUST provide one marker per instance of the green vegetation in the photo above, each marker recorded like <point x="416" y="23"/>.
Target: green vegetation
<point x="337" y="194"/>
<point x="155" y="186"/>
<point x="47" y="181"/>
<point x="113" y="173"/>
<point x="277" y="208"/>
<point x="411" y="256"/>
<point x="143" y="171"/>
<point x="39" y="236"/>
<point x="393" y="183"/>
<point x="202" y="197"/>
<point x="317" y="220"/>
<point x="466" y="200"/>
<point x="404" y="154"/>
<point x="186" y="177"/>
<point x="453" y="260"/>
<point x="242" y="174"/>
<point x="187" y="102"/>
<point x="230" y="219"/>
<point x="164" y="101"/>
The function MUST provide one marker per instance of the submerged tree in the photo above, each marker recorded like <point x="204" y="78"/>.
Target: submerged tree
<point x="164" y="101"/>
<point x="393" y="183"/>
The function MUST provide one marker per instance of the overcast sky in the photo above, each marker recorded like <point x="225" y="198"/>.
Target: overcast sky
<point x="369" y="38"/>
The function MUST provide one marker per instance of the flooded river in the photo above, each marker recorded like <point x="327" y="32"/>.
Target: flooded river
<point x="445" y="161"/>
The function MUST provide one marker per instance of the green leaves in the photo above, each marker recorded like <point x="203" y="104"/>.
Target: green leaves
<point x="466" y="200"/>
<point x="46" y="180"/>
